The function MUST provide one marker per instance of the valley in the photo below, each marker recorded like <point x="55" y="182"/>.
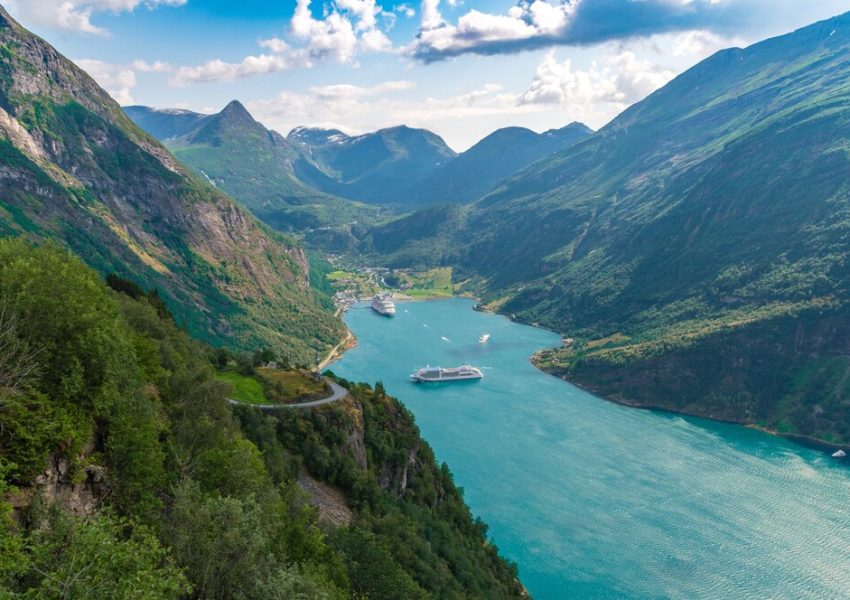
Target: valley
<point x="185" y="328"/>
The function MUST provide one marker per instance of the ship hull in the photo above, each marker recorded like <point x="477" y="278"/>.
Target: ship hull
<point x="445" y="379"/>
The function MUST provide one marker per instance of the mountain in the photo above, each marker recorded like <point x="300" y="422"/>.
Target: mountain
<point x="75" y="169"/>
<point x="379" y="168"/>
<point x="251" y="163"/>
<point x="501" y="154"/>
<point x="713" y="214"/>
<point x="164" y="123"/>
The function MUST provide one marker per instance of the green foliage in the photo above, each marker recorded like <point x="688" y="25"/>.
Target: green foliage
<point x="420" y="532"/>
<point x="106" y="557"/>
<point x="33" y="427"/>
<point x="164" y="228"/>
<point x="786" y="371"/>
<point x="230" y="148"/>
<point x="65" y="311"/>
<point x="374" y="571"/>
<point x="383" y="167"/>
<point x="709" y="204"/>
<point x="190" y="497"/>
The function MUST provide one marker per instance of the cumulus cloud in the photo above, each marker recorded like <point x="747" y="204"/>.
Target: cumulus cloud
<point x="118" y="79"/>
<point x="620" y="80"/>
<point x="347" y="28"/>
<point x="76" y="15"/>
<point x="541" y="23"/>
<point x="405" y="9"/>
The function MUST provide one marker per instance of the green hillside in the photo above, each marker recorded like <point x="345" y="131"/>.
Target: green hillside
<point x="384" y="167"/>
<point x="124" y="473"/>
<point x="78" y="171"/>
<point x="252" y="164"/>
<point x="501" y="154"/>
<point x="720" y="199"/>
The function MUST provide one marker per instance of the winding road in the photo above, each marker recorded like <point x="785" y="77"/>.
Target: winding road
<point x="337" y="393"/>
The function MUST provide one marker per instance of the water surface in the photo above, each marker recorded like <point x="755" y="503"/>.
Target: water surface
<point x="596" y="500"/>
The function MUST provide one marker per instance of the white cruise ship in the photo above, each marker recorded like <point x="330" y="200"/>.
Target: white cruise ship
<point x="383" y="304"/>
<point x="438" y="374"/>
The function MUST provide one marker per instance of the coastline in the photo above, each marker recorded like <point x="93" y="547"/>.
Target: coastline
<point x="336" y="353"/>
<point x="801" y="439"/>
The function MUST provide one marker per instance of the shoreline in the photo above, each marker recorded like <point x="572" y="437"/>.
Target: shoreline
<point x="801" y="439"/>
<point x="336" y="353"/>
<point x="798" y="438"/>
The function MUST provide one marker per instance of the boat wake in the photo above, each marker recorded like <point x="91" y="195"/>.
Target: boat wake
<point x="445" y="339"/>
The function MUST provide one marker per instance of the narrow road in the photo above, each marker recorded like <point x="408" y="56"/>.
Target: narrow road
<point x="334" y="354"/>
<point x="338" y="393"/>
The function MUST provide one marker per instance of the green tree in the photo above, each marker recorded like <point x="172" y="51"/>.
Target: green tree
<point x="107" y="557"/>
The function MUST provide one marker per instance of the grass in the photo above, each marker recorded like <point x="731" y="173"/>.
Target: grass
<point x="245" y="388"/>
<point x="271" y="386"/>
<point x="334" y="276"/>
<point x="617" y="338"/>
<point x="285" y="386"/>
<point x="434" y="283"/>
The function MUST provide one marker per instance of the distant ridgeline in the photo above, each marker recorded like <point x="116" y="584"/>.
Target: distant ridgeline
<point x="125" y="473"/>
<point x="327" y="180"/>
<point x="76" y="170"/>
<point x="696" y="247"/>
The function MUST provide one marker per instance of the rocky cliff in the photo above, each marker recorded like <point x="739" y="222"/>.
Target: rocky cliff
<point x="75" y="169"/>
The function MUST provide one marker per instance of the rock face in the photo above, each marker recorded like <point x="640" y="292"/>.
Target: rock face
<point x="74" y="168"/>
<point x="333" y="508"/>
<point x="80" y="496"/>
<point x="392" y="473"/>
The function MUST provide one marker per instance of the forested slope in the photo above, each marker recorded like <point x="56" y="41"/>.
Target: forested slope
<point x="125" y="473"/>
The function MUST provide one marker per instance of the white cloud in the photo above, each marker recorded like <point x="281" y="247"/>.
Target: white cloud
<point x="150" y="67"/>
<point x="347" y="28"/>
<point x="219" y="70"/>
<point x="610" y="85"/>
<point x="405" y="9"/>
<point x="475" y="29"/>
<point x="533" y="24"/>
<point x="358" y="109"/>
<point x="76" y="15"/>
<point x="117" y="79"/>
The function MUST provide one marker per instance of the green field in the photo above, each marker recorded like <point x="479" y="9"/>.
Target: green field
<point x="245" y="388"/>
<point x="434" y="283"/>
<point x="271" y="386"/>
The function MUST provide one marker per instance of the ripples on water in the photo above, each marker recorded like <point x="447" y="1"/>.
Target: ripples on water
<point x="595" y="500"/>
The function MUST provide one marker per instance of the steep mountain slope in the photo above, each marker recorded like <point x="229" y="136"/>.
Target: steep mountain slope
<point x="721" y="201"/>
<point x="124" y="472"/>
<point x="727" y="183"/>
<point x="501" y="154"/>
<point x="251" y="163"/>
<point x="379" y="168"/>
<point x="75" y="169"/>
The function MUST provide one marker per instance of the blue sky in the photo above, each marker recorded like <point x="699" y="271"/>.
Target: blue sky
<point x="461" y="68"/>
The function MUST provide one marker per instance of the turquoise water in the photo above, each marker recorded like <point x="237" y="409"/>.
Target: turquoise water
<point x="595" y="500"/>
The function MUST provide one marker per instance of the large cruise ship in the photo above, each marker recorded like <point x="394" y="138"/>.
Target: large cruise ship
<point x="438" y="374"/>
<point x="383" y="304"/>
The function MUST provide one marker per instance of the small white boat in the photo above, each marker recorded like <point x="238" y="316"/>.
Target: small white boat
<point x="483" y="339"/>
<point x="438" y="374"/>
<point x="839" y="454"/>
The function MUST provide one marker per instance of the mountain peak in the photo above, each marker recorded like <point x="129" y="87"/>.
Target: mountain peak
<point x="236" y="109"/>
